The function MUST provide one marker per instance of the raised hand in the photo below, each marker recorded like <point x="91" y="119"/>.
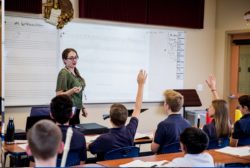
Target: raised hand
<point x="211" y="82"/>
<point x="141" y="77"/>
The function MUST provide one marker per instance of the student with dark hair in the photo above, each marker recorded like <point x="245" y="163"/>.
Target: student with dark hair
<point x="241" y="133"/>
<point x="220" y="127"/>
<point x="44" y="142"/>
<point x="120" y="135"/>
<point x="193" y="143"/>
<point x="169" y="130"/>
<point x="61" y="112"/>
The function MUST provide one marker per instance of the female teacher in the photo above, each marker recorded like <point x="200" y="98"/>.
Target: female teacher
<point x="70" y="82"/>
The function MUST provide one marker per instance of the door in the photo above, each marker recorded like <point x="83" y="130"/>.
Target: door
<point x="239" y="69"/>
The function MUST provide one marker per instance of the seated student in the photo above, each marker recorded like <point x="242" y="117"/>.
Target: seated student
<point x="120" y="135"/>
<point x="44" y="142"/>
<point x="220" y="127"/>
<point x="61" y="112"/>
<point x="241" y="133"/>
<point x="193" y="143"/>
<point x="169" y="130"/>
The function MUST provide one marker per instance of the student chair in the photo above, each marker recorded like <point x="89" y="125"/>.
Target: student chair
<point x="31" y="120"/>
<point x="125" y="152"/>
<point x="171" y="148"/>
<point x="218" y="143"/>
<point x="40" y="111"/>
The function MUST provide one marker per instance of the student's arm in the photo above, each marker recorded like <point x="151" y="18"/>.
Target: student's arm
<point x="237" y="132"/>
<point x="141" y="78"/>
<point x="211" y="83"/>
<point x="87" y="146"/>
<point x="82" y="162"/>
<point x="154" y="147"/>
<point x="233" y="142"/>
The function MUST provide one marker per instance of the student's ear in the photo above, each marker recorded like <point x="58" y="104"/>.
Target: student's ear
<point x="60" y="148"/>
<point x="166" y="107"/>
<point x="183" y="147"/>
<point x="28" y="150"/>
<point x="245" y="108"/>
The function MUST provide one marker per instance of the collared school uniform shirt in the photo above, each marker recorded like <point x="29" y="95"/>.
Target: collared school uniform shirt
<point x="242" y="130"/>
<point x="192" y="160"/>
<point x="114" y="139"/>
<point x="169" y="130"/>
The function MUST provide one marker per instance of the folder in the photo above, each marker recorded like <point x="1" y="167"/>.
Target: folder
<point x="91" y="128"/>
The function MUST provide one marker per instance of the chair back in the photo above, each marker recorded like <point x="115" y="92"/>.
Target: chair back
<point x="73" y="159"/>
<point x="244" y="141"/>
<point x="31" y="120"/>
<point x="171" y="148"/>
<point x="40" y="111"/>
<point x="125" y="152"/>
<point x="218" y="143"/>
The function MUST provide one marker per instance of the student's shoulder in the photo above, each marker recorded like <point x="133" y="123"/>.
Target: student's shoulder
<point x="77" y="132"/>
<point x="166" y="123"/>
<point x="105" y="137"/>
<point x="179" y="162"/>
<point x="187" y="122"/>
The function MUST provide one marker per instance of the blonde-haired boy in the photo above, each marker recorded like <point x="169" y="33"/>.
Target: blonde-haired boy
<point x="169" y="130"/>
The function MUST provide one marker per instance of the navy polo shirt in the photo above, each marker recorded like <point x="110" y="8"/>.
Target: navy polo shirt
<point x="210" y="130"/>
<point x="169" y="130"/>
<point x="77" y="143"/>
<point x="114" y="139"/>
<point x="242" y="129"/>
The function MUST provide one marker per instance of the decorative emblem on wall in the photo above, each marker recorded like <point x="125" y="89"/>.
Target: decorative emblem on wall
<point x="58" y="12"/>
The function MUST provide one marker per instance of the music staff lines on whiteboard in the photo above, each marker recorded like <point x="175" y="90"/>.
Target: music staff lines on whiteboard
<point x="41" y="45"/>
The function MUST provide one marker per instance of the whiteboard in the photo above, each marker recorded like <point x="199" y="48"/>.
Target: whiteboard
<point x="110" y="58"/>
<point x="31" y="61"/>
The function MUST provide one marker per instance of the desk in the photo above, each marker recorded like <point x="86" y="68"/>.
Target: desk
<point x="218" y="157"/>
<point x="136" y="141"/>
<point x="18" y="152"/>
<point x="14" y="150"/>
<point x="143" y="141"/>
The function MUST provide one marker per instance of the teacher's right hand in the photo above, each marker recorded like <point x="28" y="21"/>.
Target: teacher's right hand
<point x="76" y="89"/>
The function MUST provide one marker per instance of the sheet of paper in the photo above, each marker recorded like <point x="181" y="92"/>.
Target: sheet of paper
<point x="23" y="146"/>
<point x="21" y="141"/>
<point x="139" y="163"/>
<point x="238" y="151"/>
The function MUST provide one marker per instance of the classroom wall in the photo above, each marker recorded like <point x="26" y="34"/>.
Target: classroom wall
<point x="229" y="18"/>
<point x="200" y="51"/>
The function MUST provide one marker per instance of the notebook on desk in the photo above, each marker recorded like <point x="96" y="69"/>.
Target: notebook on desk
<point x="92" y="128"/>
